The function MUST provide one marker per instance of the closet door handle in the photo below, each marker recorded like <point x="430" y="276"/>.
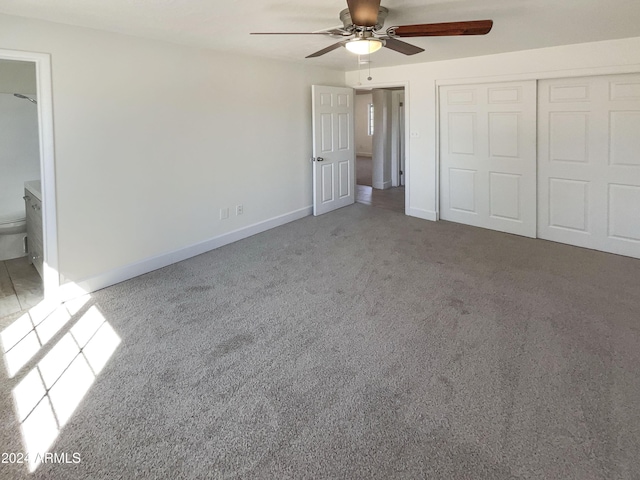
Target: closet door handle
<point x="27" y="198"/>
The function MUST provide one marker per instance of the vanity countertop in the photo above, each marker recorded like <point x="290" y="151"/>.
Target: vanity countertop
<point x="35" y="187"/>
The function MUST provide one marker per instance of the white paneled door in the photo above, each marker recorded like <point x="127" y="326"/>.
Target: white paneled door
<point x="589" y="162"/>
<point x="333" y="148"/>
<point x="488" y="156"/>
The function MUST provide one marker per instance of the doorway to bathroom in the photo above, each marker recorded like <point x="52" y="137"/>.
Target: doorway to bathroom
<point x="28" y="243"/>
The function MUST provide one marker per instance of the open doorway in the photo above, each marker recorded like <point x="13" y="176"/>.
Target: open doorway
<point x="21" y="285"/>
<point x="28" y="243"/>
<point x="380" y="148"/>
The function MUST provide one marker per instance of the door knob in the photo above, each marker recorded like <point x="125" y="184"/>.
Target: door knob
<point x="319" y="159"/>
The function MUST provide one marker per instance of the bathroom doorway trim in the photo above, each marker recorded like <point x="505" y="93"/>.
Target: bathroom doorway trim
<point x="51" y="276"/>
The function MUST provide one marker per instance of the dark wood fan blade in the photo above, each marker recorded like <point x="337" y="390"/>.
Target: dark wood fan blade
<point x="328" y="49"/>
<point x="402" y="47"/>
<point x="364" y="13"/>
<point x="475" y="27"/>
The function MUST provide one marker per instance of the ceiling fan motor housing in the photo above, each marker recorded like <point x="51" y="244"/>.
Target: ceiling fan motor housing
<point x="345" y="18"/>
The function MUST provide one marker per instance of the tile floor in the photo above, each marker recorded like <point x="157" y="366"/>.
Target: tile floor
<point x="20" y="286"/>
<point x="389" y="199"/>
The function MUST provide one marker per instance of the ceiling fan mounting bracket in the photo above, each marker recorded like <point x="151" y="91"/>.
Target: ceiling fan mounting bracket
<point x="345" y="18"/>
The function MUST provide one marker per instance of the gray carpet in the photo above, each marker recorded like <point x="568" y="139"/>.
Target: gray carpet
<point x="365" y="344"/>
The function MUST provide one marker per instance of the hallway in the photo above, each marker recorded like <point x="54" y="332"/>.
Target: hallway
<point x="389" y="199"/>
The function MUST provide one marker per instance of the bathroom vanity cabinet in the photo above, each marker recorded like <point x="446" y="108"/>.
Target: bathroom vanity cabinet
<point x="33" y="203"/>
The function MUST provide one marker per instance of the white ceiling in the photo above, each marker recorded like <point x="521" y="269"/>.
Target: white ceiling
<point x="225" y="25"/>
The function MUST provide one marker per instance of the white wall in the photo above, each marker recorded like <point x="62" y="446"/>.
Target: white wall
<point x="19" y="154"/>
<point x="363" y="140"/>
<point x="17" y="77"/>
<point x="381" y="161"/>
<point x="397" y="138"/>
<point x="152" y="139"/>
<point x="422" y="79"/>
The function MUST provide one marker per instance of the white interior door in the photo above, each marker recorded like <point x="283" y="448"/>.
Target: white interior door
<point x="589" y="162"/>
<point x="488" y="156"/>
<point x="333" y="148"/>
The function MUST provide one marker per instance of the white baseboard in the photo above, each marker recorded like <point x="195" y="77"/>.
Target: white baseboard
<point x="121" y="274"/>
<point x="424" y="214"/>
<point x="364" y="154"/>
<point x="382" y="185"/>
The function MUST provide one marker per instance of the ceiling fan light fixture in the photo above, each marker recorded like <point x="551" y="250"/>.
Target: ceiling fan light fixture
<point x="364" y="46"/>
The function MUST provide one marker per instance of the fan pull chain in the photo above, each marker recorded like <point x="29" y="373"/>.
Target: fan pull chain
<point x="360" y="62"/>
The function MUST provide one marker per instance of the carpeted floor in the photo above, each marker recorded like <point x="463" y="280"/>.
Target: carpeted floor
<point x="363" y="344"/>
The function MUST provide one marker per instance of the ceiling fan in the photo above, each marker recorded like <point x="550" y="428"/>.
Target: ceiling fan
<point x="363" y="22"/>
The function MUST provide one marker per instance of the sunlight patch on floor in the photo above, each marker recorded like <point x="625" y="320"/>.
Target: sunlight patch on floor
<point x="47" y="395"/>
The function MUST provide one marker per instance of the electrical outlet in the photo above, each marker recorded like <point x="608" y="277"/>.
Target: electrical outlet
<point x="224" y="213"/>
<point x="239" y="210"/>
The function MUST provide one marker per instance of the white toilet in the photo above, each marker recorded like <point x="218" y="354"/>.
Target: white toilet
<point x="13" y="234"/>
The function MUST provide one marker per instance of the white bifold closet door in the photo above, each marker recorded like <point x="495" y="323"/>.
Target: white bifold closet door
<point x="488" y="156"/>
<point x="589" y="162"/>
